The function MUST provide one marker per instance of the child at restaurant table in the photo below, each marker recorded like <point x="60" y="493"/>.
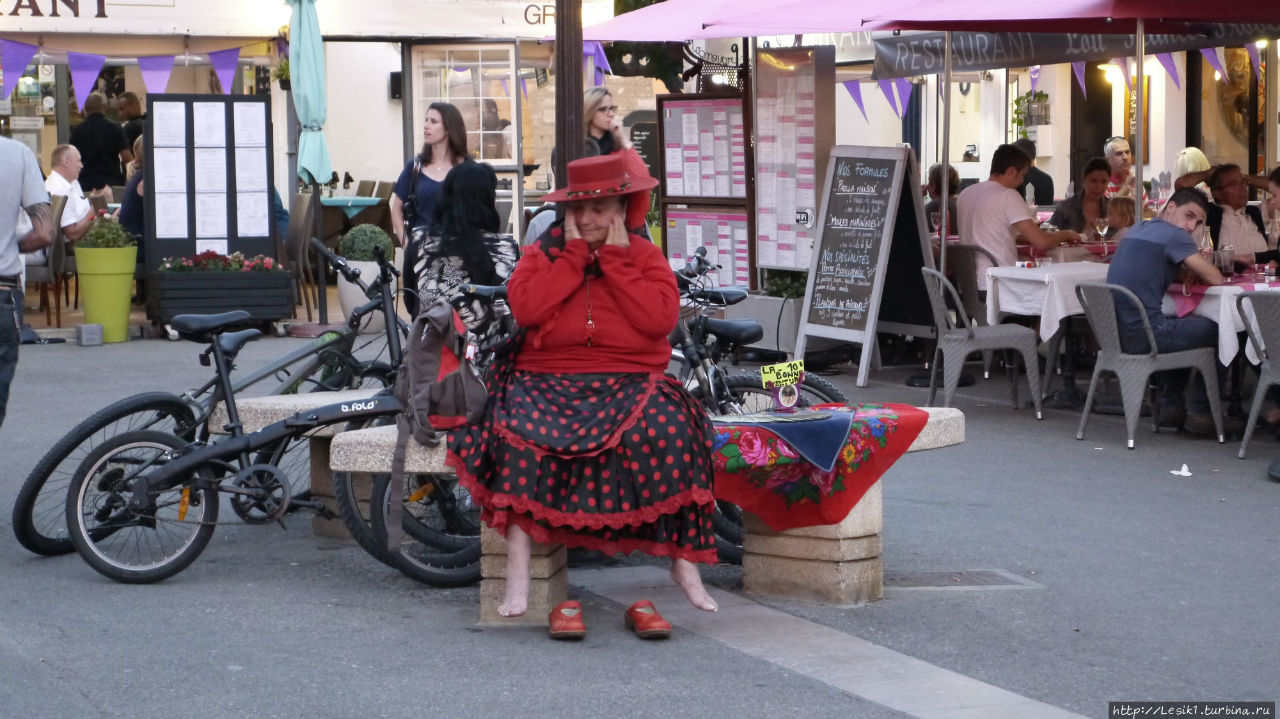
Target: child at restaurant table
<point x="1120" y="217"/>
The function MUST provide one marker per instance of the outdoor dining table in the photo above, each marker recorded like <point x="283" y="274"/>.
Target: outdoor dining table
<point x="1100" y="251"/>
<point x="351" y="206"/>
<point x="1219" y="304"/>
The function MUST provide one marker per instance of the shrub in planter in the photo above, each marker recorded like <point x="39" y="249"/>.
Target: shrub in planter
<point x="359" y="242"/>
<point x="106" y="232"/>
<point x="105" y="259"/>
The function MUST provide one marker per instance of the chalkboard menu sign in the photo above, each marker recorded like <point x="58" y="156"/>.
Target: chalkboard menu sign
<point x="871" y="225"/>
<point x="644" y="137"/>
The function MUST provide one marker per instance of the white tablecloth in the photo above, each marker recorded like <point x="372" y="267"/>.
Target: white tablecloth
<point x="1049" y="291"/>
<point x="1219" y="305"/>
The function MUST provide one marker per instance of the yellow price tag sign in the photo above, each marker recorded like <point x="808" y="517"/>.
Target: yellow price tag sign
<point x="783" y="373"/>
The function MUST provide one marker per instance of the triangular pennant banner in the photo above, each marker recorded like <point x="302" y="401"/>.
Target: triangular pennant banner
<point x="14" y="58"/>
<point x="1211" y="54"/>
<point x="1034" y="71"/>
<point x="855" y="91"/>
<point x="524" y="88"/>
<point x="1254" y="59"/>
<point x="224" y="63"/>
<point x="1171" y="67"/>
<point x="84" y="73"/>
<point x="506" y="89"/>
<point x="1077" y="68"/>
<point x="594" y="51"/>
<point x="155" y="72"/>
<point x="904" y="92"/>
<point x="1123" y="64"/>
<point x="886" y="87"/>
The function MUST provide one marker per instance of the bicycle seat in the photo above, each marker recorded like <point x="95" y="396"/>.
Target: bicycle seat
<point x="201" y="328"/>
<point x="232" y="342"/>
<point x="738" y="332"/>
<point x="719" y="296"/>
<point x="493" y="292"/>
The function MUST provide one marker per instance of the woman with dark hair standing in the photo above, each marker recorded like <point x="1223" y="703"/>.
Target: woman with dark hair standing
<point x="463" y="245"/>
<point x="444" y="144"/>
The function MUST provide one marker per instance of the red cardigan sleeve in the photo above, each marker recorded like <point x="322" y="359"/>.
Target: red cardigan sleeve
<point x="638" y="205"/>
<point x="539" y="286"/>
<point x="640" y="279"/>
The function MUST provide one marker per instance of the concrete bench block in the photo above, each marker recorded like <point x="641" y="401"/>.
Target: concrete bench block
<point x="543" y="595"/>
<point x="492" y="542"/>
<point x="843" y="583"/>
<point x="866" y="519"/>
<point x="945" y="428"/>
<point x="370" y="450"/>
<point x="258" y="412"/>
<point x="827" y="550"/>
<point x="544" y="566"/>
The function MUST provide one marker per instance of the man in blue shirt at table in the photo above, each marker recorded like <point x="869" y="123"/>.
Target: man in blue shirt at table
<point x="1150" y="259"/>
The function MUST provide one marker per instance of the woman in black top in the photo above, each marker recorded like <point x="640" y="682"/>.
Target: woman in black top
<point x="1081" y="211"/>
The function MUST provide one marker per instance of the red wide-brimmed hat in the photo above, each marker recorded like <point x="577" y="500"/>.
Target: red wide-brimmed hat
<point x="603" y="176"/>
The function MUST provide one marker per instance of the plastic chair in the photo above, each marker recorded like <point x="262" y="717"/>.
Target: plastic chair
<point x="958" y="339"/>
<point x="963" y="260"/>
<point x="364" y="188"/>
<point x="1134" y="370"/>
<point x="49" y="274"/>
<point x="1263" y="326"/>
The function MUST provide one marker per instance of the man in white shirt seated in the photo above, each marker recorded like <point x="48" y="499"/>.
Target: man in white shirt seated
<point x="1231" y="220"/>
<point x="64" y="180"/>
<point x="993" y="215"/>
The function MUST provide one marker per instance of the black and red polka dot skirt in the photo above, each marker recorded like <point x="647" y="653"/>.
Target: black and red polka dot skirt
<point x="612" y="462"/>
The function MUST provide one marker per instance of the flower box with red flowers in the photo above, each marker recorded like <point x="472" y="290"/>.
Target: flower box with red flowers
<point x="210" y="283"/>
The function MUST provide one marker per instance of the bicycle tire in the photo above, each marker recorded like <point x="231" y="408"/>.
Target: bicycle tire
<point x="420" y="561"/>
<point x="352" y="497"/>
<point x="726" y="521"/>
<point x="39" y="512"/>
<point x="99" y="521"/>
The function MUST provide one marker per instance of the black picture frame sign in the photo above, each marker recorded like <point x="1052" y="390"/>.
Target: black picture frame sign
<point x="872" y="243"/>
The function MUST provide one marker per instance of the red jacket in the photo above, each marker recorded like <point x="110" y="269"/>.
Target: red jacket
<point x="633" y="304"/>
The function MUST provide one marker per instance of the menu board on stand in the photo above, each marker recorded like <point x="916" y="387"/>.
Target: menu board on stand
<point x="865" y="272"/>
<point x="705" y="181"/>
<point x="794" y="103"/>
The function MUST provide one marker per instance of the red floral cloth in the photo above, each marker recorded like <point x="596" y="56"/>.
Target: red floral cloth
<point x="758" y="471"/>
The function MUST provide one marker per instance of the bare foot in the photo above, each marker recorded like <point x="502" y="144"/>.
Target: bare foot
<point x="686" y="576"/>
<point x="516" y="599"/>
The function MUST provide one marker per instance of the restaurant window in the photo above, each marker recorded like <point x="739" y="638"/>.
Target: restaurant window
<point x="476" y="79"/>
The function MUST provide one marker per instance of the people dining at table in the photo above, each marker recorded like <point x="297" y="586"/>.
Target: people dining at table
<point x="1150" y="259"/>
<point x="993" y="216"/>
<point x="933" y="190"/>
<point x="1041" y="182"/>
<point x="1121" y="214"/>
<point x="1081" y="211"/>
<point x="1192" y="160"/>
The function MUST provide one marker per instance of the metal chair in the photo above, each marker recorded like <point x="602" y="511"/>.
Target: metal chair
<point x="1263" y="326"/>
<point x="1134" y="370"/>
<point x="958" y="339"/>
<point x="364" y="188"/>
<point x="49" y="275"/>
<point x="383" y="190"/>
<point x="963" y="259"/>
<point x="301" y="221"/>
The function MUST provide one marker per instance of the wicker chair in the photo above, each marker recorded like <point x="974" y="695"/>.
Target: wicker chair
<point x="49" y="274"/>
<point x="959" y="339"/>
<point x="1133" y="370"/>
<point x="1263" y="325"/>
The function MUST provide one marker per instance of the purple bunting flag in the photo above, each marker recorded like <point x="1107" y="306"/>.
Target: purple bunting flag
<point x="155" y="72"/>
<point x="84" y="73"/>
<point x="1171" y="67"/>
<point x="224" y="63"/>
<point x="1123" y="64"/>
<point x="855" y="91"/>
<point x="1254" y="59"/>
<point x="905" y="87"/>
<point x="524" y="88"/>
<point x="1211" y="54"/>
<point x="14" y="58"/>
<point x="1078" y="69"/>
<point x="1034" y="71"/>
<point x="594" y="51"/>
<point x="886" y="87"/>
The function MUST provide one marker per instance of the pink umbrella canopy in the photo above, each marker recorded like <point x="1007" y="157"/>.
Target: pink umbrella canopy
<point x="674" y="20"/>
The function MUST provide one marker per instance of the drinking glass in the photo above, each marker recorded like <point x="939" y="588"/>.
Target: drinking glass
<point x="935" y="221"/>
<point x="1101" y="225"/>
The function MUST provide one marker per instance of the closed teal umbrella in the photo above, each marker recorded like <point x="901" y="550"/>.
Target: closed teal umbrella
<point x="306" y="74"/>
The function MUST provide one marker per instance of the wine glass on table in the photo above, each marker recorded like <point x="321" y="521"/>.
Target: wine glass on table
<point x="1101" y="225"/>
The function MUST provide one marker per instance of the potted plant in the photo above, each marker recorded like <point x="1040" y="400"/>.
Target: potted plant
<point x="211" y="282"/>
<point x="105" y="260"/>
<point x="357" y="246"/>
<point x="280" y="73"/>
<point x="1031" y="108"/>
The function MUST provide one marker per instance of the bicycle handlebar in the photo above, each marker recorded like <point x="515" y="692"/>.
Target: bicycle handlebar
<point x="339" y="263"/>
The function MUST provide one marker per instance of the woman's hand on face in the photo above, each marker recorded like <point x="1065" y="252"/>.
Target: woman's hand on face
<point x="617" y="233"/>
<point x="570" y="227"/>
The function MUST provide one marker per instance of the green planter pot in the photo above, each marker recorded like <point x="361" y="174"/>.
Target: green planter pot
<point x="266" y="296"/>
<point x="106" y="285"/>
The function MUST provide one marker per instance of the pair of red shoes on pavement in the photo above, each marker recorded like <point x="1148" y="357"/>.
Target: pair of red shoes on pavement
<point x="641" y="618"/>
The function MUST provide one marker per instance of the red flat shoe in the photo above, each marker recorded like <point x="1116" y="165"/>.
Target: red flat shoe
<point x="566" y="621"/>
<point x="643" y="619"/>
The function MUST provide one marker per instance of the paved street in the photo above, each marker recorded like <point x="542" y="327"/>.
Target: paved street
<point x="1129" y="583"/>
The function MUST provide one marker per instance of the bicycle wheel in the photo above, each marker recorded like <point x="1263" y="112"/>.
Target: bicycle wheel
<point x="39" y="512"/>
<point x="137" y="547"/>
<point x="748" y="395"/>
<point x="418" y="560"/>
